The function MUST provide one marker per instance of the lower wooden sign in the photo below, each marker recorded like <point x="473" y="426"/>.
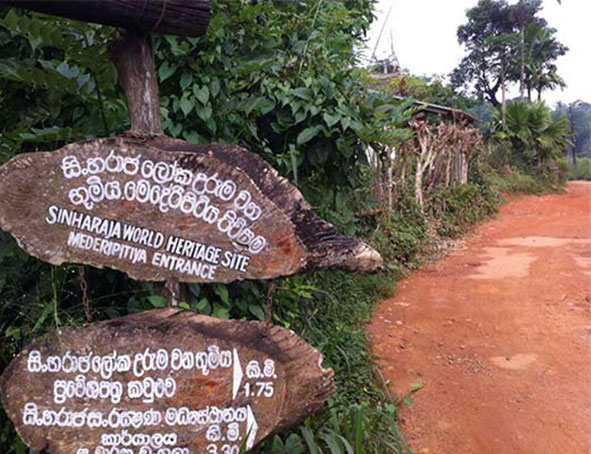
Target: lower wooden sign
<point x="162" y="382"/>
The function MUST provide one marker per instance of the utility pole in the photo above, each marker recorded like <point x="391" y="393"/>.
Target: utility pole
<point x="572" y="132"/>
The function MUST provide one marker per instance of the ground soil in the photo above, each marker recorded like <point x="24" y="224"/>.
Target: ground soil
<point x="498" y="334"/>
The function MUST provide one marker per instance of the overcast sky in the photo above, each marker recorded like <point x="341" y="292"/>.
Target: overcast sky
<point x="423" y="34"/>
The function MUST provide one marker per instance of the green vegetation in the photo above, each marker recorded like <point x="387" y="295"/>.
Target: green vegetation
<point x="578" y="115"/>
<point x="533" y="139"/>
<point x="582" y="170"/>
<point x="430" y="89"/>
<point x="281" y="78"/>
<point x="516" y="182"/>
<point x="527" y="155"/>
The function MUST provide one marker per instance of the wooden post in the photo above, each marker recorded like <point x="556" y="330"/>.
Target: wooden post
<point x="133" y="57"/>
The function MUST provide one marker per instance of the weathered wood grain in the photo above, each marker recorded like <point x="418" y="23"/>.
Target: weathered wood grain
<point x="175" y="17"/>
<point x="232" y="202"/>
<point x="272" y="376"/>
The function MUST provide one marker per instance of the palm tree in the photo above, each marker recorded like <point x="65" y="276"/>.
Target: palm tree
<point x="549" y="81"/>
<point x="534" y="137"/>
<point x="542" y="51"/>
<point x="522" y="14"/>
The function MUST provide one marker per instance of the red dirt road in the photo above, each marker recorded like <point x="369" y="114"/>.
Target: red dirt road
<point x="499" y="335"/>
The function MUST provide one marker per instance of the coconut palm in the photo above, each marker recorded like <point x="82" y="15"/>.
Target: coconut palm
<point x="542" y="51"/>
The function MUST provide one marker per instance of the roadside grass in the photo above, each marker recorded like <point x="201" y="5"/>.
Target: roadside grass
<point x="332" y="317"/>
<point x="331" y="309"/>
<point x="518" y="182"/>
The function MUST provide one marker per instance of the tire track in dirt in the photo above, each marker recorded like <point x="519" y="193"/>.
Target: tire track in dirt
<point x="498" y="334"/>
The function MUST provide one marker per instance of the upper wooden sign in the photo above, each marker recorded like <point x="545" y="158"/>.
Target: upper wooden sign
<point x="175" y="17"/>
<point x="162" y="382"/>
<point x="163" y="209"/>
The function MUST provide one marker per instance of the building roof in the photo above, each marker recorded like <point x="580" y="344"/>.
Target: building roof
<point x="443" y="111"/>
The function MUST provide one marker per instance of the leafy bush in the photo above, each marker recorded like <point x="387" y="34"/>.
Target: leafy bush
<point x="460" y="206"/>
<point x="429" y="89"/>
<point x="57" y="84"/>
<point x="278" y="78"/>
<point x="517" y="182"/>
<point x="582" y="171"/>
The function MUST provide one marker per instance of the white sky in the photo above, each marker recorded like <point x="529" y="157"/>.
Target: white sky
<point x="423" y="33"/>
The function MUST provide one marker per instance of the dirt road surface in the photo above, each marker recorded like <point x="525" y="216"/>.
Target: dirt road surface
<point x="498" y="334"/>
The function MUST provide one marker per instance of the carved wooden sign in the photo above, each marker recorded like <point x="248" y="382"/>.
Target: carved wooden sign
<point x="162" y="208"/>
<point x="162" y="382"/>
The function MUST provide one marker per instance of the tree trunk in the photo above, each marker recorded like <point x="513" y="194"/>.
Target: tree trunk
<point x="389" y="181"/>
<point x="448" y="169"/>
<point x="133" y="57"/>
<point x="403" y="165"/>
<point x="503" y="94"/>
<point x="423" y="161"/>
<point x="378" y="177"/>
<point x="522" y="65"/>
<point x="464" y="168"/>
<point x="419" y="185"/>
<point x="493" y="99"/>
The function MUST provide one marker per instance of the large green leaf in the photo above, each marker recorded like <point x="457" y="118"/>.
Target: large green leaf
<point x="308" y="134"/>
<point x="186" y="105"/>
<point x="331" y="120"/>
<point x="202" y="94"/>
<point x="303" y="93"/>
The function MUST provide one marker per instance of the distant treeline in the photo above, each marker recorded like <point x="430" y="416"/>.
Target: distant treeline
<point x="578" y="114"/>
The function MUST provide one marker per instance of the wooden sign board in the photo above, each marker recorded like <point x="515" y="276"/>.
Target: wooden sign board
<point x="163" y="208"/>
<point x="162" y="382"/>
<point x="176" y="17"/>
